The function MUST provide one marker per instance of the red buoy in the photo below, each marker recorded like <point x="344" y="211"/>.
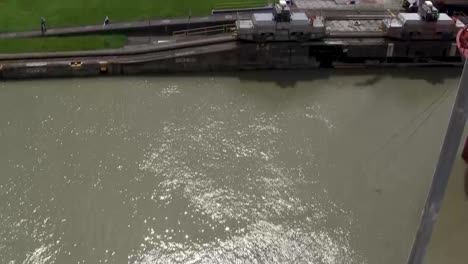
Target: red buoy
<point x="462" y="42"/>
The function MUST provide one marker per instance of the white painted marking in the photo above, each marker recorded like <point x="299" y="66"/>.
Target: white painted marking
<point x="36" y="70"/>
<point x="185" y="53"/>
<point x="334" y="42"/>
<point x="185" y="60"/>
<point x="390" y="49"/>
<point x="163" y="41"/>
<point x="36" y="64"/>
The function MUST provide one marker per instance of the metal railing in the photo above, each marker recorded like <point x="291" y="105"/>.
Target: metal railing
<point x="461" y="16"/>
<point x="442" y="172"/>
<point x="219" y="29"/>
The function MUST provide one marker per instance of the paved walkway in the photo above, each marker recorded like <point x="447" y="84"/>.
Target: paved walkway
<point x="157" y="26"/>
<point x="143" y="49"/>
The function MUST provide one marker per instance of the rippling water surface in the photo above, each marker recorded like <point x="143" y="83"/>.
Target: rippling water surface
<point x="315" y="167"/>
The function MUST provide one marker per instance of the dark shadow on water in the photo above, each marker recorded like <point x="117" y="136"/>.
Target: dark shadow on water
<point x="369" y="77"/>
<point x="289" y="78"/>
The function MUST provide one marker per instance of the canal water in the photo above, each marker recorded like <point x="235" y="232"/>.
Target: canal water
<point x="257" y="167"/>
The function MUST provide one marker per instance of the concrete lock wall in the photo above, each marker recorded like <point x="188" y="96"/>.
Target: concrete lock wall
<point x="231" y="55"/>
<point x="249" y="57"/>
<point x="423" y="49"/>
<point x="275" y="56"/>
<point x="369" y="51"/>
<point x="47" y="70"/>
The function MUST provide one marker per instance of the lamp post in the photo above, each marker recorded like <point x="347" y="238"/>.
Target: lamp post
<point x="188" y="24"/>
<point x="149" y="30"/>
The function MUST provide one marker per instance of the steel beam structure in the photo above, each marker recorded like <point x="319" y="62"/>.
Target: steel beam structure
<point x="441" y="176"/>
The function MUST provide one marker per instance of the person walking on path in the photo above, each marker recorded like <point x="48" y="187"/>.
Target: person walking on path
<point x="106" y="21"/>
<point x="43" y="25"/>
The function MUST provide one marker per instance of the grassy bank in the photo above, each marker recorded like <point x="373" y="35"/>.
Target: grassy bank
<point x="20" y="15"/>
<point x="61" y="44"/>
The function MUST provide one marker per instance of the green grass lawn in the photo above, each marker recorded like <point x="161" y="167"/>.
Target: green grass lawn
<point x="61" y="44"/>
<point x="21" y="15"/>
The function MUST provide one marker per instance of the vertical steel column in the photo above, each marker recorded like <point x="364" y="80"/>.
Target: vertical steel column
<point x="442" y="172"/>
